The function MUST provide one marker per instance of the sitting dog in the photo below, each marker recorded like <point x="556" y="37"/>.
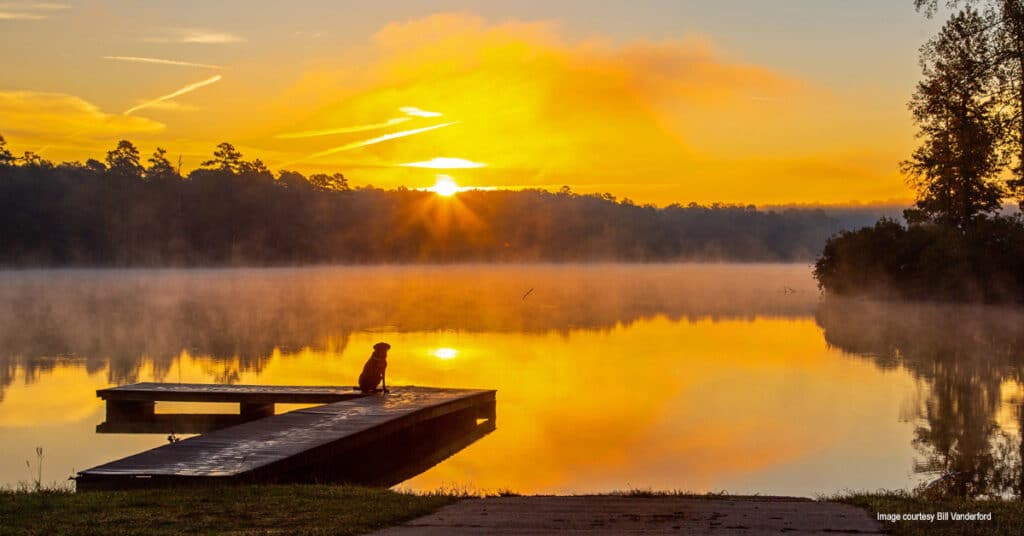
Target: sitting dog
<point x="373" y="370"/>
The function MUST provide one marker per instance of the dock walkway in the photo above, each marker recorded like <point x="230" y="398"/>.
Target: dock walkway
<point x="337" y="441"/>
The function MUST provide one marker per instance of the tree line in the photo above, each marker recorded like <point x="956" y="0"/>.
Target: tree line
<point x="969" y="110"/>
<point x="126" y="211"/>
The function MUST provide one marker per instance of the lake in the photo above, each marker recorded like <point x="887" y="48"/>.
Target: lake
<point x="697" y="377"/>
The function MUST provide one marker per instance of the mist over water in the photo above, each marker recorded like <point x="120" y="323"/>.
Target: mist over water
<point x="686" y="376"/>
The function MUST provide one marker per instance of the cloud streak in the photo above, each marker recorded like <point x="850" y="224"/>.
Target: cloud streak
<point x="196" y="36"/>
<point x="8" y="15"/>
<point x="34" y="6"/>
<point x="187" y="89"/>
<point x="342" y="130"/>
<point x="159" y="61"/>
<point x="416" y="112"/>
<point x="56" y="118"/>
<point x="373" y="141"/>
<point x="442" y="162"/>
<point x="28" y="10"/>
<point x="210" y="38"/>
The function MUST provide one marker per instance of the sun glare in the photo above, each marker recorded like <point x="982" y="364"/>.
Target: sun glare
<point x="445" y="186"/>
<point x="445" y="353"/>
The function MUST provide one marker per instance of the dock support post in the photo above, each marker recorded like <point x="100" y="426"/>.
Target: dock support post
<point x="256" y="411"/>
<point x="487" y="410"/>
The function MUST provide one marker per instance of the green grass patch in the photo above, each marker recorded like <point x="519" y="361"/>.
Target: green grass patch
<point x="298" y="509"/>
<point x="1007" y="515"/>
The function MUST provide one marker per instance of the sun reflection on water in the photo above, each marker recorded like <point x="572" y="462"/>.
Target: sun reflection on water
<point x="445" y="353"/>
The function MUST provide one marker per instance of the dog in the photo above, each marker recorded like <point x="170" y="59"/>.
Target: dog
<point x="373" y="370"/>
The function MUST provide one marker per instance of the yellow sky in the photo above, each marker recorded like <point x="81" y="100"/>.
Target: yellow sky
<point x="526" y="102"/>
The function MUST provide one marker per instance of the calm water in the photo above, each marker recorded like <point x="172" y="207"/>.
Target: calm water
<point x="609" y="377"/>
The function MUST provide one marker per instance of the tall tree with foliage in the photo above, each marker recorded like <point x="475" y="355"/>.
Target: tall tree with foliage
<point x="125" y="161"/>
<point x="1004" y="26"/>
<point x="956" y="168"/>
<point x="160" y="167"/>
<point x="225" y="158"/>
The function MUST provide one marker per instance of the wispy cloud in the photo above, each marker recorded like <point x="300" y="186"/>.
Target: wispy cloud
<point x="159" y="61"/>
<point x="46" y="118"/>
<point x="28" y="10"/>
<point x="210" y="37"/>
<point x="34" y="6"/>
<point x="342" y="130"/>
<point x="416" y="112"/>
<point x="187" y="89"/>
<point x="442" y="162"/>
<point x="372" y="141"/>
<point x="8" y="15"/>
<point x="196" y="36"/>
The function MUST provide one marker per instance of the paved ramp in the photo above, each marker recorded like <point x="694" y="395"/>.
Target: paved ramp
<point x="629" y="515"/>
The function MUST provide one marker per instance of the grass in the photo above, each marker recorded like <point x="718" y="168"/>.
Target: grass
<point x="1007" y="515"/>
<point x="322" y="509"/>
<point x="299" y="509"/>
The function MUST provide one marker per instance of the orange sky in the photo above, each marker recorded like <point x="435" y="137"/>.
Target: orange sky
<point x="511" y="101"/>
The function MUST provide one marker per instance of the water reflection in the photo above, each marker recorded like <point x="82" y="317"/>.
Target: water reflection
<point x="239" y="318"/>
<point x="698" y="377"/>
<point x="969" y="418"/>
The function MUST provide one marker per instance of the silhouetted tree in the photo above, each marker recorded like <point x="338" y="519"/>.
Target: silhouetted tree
<point x="6" y="158"/>
<point x="956" y="167"/>
<point x="160" y="167"/>
<point x="95" y="165"/>
<point x="225" y="158"/>
<point x="255" y="166"/>
<point x="31" y="159"/>
<point x="332" y="183"/>
<point x="125" y="160"/>
<point x="1004" y="26"/>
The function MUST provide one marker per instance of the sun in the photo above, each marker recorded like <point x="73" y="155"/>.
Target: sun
<point x="445" y="186"/>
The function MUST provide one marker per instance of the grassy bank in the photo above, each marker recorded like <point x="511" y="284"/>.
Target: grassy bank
<point x="1007" y="515"/>
<point x="305" y="509"/>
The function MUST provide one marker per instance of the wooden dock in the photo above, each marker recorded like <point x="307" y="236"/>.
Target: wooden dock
<point x="138" y="400"/>
<point x="362" y="439"/>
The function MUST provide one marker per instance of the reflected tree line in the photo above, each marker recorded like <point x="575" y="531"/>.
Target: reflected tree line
<point x="964" y="355"/>
<point x="235" y="319"/>
<point x="131" y="211"/>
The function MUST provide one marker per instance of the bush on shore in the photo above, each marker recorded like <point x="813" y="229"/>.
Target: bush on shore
<point x="927" y="261"/>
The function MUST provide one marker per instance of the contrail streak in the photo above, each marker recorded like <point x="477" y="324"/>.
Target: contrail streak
<point x="342" y="130"/>
<point x="159" y="61"/>
<point x="416" y="112"/>
<point x="187" y="89"/>
<point x="372" y="141"/>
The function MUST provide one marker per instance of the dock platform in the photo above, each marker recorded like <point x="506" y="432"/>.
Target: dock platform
<point x="138" y="400"/>
<point x="372" y="439"/>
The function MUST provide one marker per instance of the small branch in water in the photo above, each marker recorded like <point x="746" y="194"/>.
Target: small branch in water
<point x="528" y="292"/>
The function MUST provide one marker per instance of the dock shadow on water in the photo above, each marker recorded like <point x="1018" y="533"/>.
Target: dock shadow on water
<point x="969" y="417"/>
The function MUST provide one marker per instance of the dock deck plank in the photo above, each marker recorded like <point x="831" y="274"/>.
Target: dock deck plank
<point x="254" y="394"/>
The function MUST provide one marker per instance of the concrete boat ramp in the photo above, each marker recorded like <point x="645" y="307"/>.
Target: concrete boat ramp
<point x="376" y="439"/>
